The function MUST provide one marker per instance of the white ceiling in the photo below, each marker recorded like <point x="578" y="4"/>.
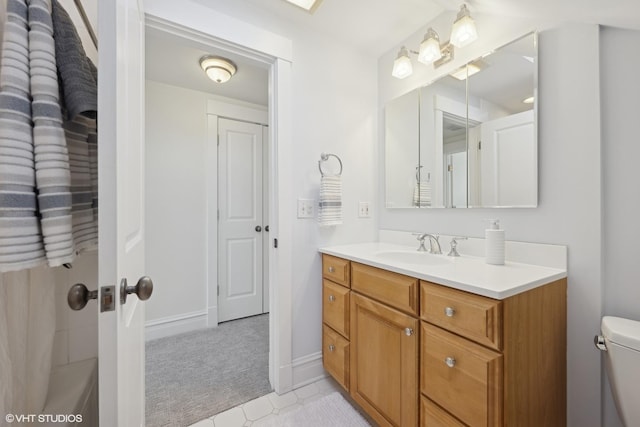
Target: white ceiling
<point x="373" y="26"/>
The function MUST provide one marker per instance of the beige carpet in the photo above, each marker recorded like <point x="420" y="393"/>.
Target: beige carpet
<point x="331" y="410"/>
<point x="193" y="376"/>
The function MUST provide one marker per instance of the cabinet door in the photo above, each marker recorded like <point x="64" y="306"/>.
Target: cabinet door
<point x="384" y="362"/>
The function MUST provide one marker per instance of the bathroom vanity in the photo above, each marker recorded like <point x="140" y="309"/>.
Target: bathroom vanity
<point x="430" y="340"/>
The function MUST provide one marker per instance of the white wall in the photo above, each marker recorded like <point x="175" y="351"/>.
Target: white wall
<point x="176" y="135"/>
<point x="620" y="93"/>
<point x="569" y="210"/>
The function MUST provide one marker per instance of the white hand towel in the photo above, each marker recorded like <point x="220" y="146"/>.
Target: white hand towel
<point x="330" y="210"/>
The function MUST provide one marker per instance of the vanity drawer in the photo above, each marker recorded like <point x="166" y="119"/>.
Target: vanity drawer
<point x="472" y="316"/>
<point x="335" y="356"/>
<point x="393" y="289"/>
<point x="462" y="377"/>
<point x="336" y="270"/>
<point x="431" y="415"/>
<point x="335" y="307"/>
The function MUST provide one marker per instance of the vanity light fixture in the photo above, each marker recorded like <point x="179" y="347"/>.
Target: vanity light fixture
<point x="308" y="5"/>
<point x="432" y="51"/>
<point x="402" y="65"/>
<point x="218" y="69"/>
<point x="464" y="29"/>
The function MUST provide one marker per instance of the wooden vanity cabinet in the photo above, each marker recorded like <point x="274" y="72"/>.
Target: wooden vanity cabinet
<point x="487" y="362"/>
<point x="468" y="360"/>
<point x="384" y="362"/>
<point x="336" y="281"/>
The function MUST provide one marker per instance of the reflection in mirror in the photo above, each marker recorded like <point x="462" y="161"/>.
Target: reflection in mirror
<point x="503" y="154"/>
<point x="474" y="143"/>
<point x="401" y="150"/>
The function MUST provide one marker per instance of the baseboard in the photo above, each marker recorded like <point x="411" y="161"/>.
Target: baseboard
<point x="212" y="319"/>
<point x="174" y="325"/>
<point x="307" y="369"/>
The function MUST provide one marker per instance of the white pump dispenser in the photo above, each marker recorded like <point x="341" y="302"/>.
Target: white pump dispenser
<point x="494" y="243"/>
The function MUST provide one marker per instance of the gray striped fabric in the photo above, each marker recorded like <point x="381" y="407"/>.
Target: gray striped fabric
<point x="48" y="166"/>
<point x="21" y="243"/>
<point x="53" y="176"/>
<point x="78" y="78"/>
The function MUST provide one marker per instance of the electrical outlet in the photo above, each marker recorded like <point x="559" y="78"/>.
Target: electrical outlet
<point x="363" y="210"/>
<point x="305" y="208"/>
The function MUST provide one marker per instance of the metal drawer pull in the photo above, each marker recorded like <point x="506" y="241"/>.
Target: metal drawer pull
<point x="332" y="270"/>
<point x="408" y="331"/>
<point x="449" y="311"/>
<point x="332" y="298"/>
<point x="450" y="361"/>
<point x="332" y="347"/>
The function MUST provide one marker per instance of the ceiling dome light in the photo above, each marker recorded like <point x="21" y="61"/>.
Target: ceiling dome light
<point x="218" y="69"/>
<point x="430" y="47"/>
<point x="464" y="29"/>
<point x="402" y="65"/>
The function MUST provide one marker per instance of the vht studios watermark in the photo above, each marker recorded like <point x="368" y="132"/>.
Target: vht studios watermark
<point x="43" y="418"/>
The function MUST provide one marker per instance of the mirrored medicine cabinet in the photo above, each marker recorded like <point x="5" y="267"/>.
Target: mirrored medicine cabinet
<point x="469" y="139"/>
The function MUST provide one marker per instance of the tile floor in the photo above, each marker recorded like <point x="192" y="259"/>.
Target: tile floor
<point x="270" y="405"/>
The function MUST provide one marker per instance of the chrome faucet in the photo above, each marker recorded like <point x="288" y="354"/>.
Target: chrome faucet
<point x="434" y="243"/>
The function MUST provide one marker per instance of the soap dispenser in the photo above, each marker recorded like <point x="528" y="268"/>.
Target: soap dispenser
<point x="494" y="243"/>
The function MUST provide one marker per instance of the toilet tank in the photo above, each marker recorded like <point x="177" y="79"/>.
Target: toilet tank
<point x="622" y="339"/>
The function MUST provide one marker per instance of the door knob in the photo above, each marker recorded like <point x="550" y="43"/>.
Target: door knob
<point x="266" y="229"/>
<point x="79" y="295"/>
<point x="258" y="228"/>
<point x="143" y="289"/>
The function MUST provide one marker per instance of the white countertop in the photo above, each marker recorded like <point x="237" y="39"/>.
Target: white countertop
<point x="466" y="273"/>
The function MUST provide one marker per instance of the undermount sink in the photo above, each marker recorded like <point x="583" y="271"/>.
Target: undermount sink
<point x="412" y="257"/>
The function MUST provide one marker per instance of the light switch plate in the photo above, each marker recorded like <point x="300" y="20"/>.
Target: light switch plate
<point x="305" y="208"/>
<point x="363" y="210"/>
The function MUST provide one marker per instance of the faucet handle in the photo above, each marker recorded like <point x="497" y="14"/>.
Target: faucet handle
<point x="454" y="244"/>
<point x="420" y="237"/>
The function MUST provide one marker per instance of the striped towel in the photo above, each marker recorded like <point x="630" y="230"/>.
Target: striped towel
<point x="330" y="212"/>
<point x="78" y="78"/>
<point x="21" y="244"/>
<point x="422" y="194"/>
<point x="53" y="176"/>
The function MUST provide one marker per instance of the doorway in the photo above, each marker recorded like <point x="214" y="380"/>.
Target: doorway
<point x="200" y="142"/>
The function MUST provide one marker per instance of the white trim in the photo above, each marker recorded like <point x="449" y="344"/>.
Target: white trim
<point x="232" y="110"/>
<point x="307" y="369"/>
<point x="212" y="318"/>
<point x="211" y="223"/>
<point x="195" y="22"/>
<point x="174" y="325"/>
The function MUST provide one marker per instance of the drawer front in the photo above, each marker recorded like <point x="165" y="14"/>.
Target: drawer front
<point x="462" y="377"/>
<point x="335" y="356"/>
<point x="472" y="316"/>
<point x="431" y="415"/>
<point x="393" y="289"/>
<point x="335" y="307"/>
<point x="336" y="269"/>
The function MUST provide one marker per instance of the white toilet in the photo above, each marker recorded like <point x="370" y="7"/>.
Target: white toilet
<point x="621" y="340"/>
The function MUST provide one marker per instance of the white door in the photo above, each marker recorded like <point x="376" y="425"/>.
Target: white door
<point x="240" y="227"/>
<point x="121" y="198"/>
<point x="508" y="161"/>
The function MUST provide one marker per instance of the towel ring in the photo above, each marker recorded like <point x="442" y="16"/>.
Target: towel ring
<point x="323" y="158"/>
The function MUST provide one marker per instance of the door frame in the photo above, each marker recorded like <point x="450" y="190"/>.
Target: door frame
<point x="213" y="29"/>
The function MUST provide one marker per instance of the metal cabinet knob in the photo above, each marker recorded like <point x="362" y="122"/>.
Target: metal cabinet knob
<point x="449" y="311"/>
<point x="331" y="270"/>
<point x="143" y="289"/>
<point x="408" y="331"/>
<point x="79" y="295"/>
<point x="450" y="361"/>
<point x="332" y="347"/>
<point x="332" y="298"/>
